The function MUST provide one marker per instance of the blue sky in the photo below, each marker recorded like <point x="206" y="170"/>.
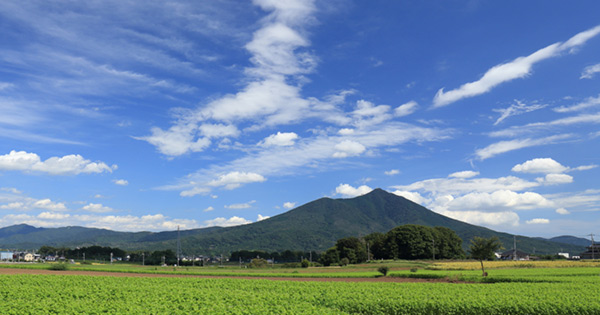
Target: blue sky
<point x="148" y="115"/>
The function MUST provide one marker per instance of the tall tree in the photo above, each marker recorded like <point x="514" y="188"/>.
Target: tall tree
<point x="483" y="249"/>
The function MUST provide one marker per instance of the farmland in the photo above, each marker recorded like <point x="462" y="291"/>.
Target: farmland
<point x="543" y="289"/>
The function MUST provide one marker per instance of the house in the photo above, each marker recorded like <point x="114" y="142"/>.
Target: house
<point x="592" y="252"/>
<point x="514" y="255"/>
<point x="29" y="257"/>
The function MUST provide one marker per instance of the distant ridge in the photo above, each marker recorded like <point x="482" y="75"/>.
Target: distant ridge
<point x="312" y="226"/>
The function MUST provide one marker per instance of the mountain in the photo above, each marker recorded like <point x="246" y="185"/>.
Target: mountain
<point x="572" y="240"/>
<point x="314" y="226"/>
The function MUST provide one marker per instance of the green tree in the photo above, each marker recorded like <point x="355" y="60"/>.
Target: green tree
<point x="352" y="248"/>
<point x="447" y="243"/>
<point x="409" y="241"/>
<point x="331" y="257"/>
<point x="483" y="249"/>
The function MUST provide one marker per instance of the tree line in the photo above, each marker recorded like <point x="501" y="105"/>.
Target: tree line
<point x="402" y="242"/>
<point x="284" y="256"/>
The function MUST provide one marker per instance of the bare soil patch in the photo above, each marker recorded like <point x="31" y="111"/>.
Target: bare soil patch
<point x="14" y="271"/>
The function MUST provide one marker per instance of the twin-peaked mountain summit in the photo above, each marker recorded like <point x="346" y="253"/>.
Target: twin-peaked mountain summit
<point x="313" y="226"/>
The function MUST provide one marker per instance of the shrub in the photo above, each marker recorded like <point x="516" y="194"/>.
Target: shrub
<point x="258" y="263"/>
<point x="58" y="266"/>
<point x="344" y="261"/>
<point x="305" y="263"/>
<point x="383" y="270"/>
<point x="414" y="269"/>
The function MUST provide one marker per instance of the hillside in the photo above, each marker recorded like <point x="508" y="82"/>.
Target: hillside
<point x="313" y="226"/>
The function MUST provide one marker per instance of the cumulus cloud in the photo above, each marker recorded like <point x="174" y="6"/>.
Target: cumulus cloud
<point x="538" y="221"/>
<point x="494" y="219"/>
<point x="412" y="196"/>
<point x="156" y="222"/>
<point x="97" y="208"/>
<point x="346" y="131"/>
<point x="177" y="140"/>
<point x="121" y="182"/>
<point x="224" y="222"/>
<point x="280" y="139"/>
<point x="406" y="109"/>
<point x="66" y="165"/>
<point x="262" y="217"/>
<point x="289" y="205"/>
<point x="540" y="165"/>
<point x="501" y="200"/>
<point x="556" y="179"/>
<point x="515" y="69"/>
<point x="590" y="71"/>
<point x="348" y="191"/>
<point x="208" y="209"/>
<point x="48" y="204"/>
<point x="562" y="211"/>
<point x="238" y="206"/>
<point x="348" y="148"/>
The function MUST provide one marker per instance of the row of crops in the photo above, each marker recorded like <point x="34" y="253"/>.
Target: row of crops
<point x="554" y="291"/>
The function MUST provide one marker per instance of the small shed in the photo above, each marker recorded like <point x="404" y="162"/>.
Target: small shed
<point x="514" y="255"/>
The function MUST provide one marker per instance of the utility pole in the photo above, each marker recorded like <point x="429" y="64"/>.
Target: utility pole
<point x="433" y="248"/>
<point x="178" y="247"/>
<point x="111" y="258"/>
<point x="515" y="247"/>
<point x="143" y="256"/>
<point x="592" y="247"/>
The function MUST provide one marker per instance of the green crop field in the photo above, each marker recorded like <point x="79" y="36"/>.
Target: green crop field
<point x="544" y="290"/>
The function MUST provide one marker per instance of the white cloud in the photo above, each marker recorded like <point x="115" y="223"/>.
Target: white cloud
<point x="210" y="208"/>
<point x="234" y="180"/>
<point x="262" y="217"/>
<point x="498" y="201"/>
<point x="518" y="68"/>
<point x="392" y="172"/>
<point x="97" y="208"/>
<point x="562" y="211"/>
<point x="511" y="145"/>
<point x="289" y="205"/>
<point x="221" y="221"/>
<point x="280" y="139"/>
<point x="178" y="140"/>
<point x="48" y="204"/>
<point x="412" y="196"/>
<point x="590" y="71"/>
<point x="556" y="179"/>
<point x="346" y="131"/>
<point x="587" y="103"/>
<point x="406" y="109"/>
<point x="348" y="191"/>
<point x="540" y="165"/>
<point x="494" y="219"/>
<point x="348" y="148"/>
<point x="66" y="165"/>
<point x="544" y="126"/>
<point x="157" y="222"/>
<point x="538" y="221"/>
<point x="238" y="206"/>
<point x="464" y="174"/>
<point x="121" y="182"/>
<point x="516" y="109"/>
<point x="218" y="130"/>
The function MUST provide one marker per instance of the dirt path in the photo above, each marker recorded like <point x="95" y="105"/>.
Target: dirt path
<point x="14" y="271"/>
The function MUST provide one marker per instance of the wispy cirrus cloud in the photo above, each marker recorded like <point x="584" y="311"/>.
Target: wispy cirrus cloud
<point x="590" y="71"/>
<point x="516" y="69"/>
<point x="511" y="145"/>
